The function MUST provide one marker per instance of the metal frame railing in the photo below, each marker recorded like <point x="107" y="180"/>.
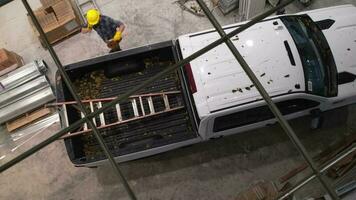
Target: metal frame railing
<point x="225" y="38"/>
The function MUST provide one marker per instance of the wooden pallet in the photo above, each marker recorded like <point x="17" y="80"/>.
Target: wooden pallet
<point x="27" y="119"/>
<point x="64" y="37"/>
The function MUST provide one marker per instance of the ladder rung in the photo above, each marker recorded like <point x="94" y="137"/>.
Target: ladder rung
<point x="84" y="2"/>
<point x="166" y="102"/>
<point x="134" y="106"/>
<point x="64" y="107"/>
<point x="150" y="105"/>
<point x="142" y="108"/>
<point x="118" y="111"/>
<point x="92" y="110"/>
<point x="101" y="115"/>
<point x="85" y="124"/>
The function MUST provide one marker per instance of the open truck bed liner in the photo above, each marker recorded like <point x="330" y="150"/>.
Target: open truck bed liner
<point x="139" y="135"/>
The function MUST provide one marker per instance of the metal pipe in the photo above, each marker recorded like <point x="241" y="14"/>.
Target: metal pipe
<point x="134" y="90"/>
<point x="297" y="187"/>
<point x="26" y="104"/>
<point x="272" y="106"/>
<point x="22" y="75"/>
<point x="20" y="92"/>
<point x="71" y="89"/>
<point x="327" y="166"/>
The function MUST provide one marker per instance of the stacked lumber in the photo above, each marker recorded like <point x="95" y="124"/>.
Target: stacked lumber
<point x="27" y="118"/>
<point x="342" y="172"/>
<point x="324" y="157"/>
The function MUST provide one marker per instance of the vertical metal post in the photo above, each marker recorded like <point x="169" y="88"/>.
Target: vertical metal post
<point x="69" y="84"/>
<point x="282" y="121"/>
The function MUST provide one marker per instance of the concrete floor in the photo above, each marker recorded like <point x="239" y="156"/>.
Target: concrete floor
<point x="218" y="169"/>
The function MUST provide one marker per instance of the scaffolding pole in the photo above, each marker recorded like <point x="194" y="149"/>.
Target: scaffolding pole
<point x="83" y="110"/>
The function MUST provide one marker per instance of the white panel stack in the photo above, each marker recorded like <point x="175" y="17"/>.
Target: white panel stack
<point x="251" y="8"/>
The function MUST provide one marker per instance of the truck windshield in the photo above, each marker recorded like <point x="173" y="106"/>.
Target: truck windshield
<point x="316" y="56"/>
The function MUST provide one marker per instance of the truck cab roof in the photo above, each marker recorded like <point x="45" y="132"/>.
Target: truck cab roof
<point x="221" y="82"/>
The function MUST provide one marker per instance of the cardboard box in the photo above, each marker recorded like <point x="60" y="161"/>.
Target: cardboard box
<point x="63" y="11"/>
<point x="7" y="58"/>
<point x="58" y="20"/>
<point x="48" y="21"/>
<point x="9" y="61"/>
<point x="48" y="3"/>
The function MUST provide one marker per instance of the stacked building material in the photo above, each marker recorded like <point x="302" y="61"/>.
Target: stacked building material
<point x="250" y="8"/>
<point x="57" y="19"/>
<point x="22" y="75"/>
<point x="342" y="172"/>
<point x="24" y="90"/>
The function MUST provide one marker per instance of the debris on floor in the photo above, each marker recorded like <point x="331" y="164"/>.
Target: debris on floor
<point x="191" y="7"/>
<point x="342" y="174"/>
<point x="341" y="168"/>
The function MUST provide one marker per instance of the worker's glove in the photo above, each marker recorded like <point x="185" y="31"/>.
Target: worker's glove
<point x="118" y="36"/>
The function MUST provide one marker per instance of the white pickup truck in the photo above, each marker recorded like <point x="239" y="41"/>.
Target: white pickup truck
<point x="306" y="62"/>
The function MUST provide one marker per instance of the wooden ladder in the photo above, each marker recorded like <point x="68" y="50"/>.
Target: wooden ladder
<point x="136" y="103"/>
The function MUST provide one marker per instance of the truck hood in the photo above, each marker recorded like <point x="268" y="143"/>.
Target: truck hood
<point x="220" y="80"/>
<point x="340" y="33"/>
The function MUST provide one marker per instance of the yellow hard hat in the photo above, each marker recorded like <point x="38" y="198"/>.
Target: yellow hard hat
<point x="93" y="17"/>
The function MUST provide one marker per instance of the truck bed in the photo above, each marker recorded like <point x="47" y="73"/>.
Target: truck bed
<point x="154" y="131"/>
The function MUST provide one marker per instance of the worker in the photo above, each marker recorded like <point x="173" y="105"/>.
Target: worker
<point x="108" y="29"/>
